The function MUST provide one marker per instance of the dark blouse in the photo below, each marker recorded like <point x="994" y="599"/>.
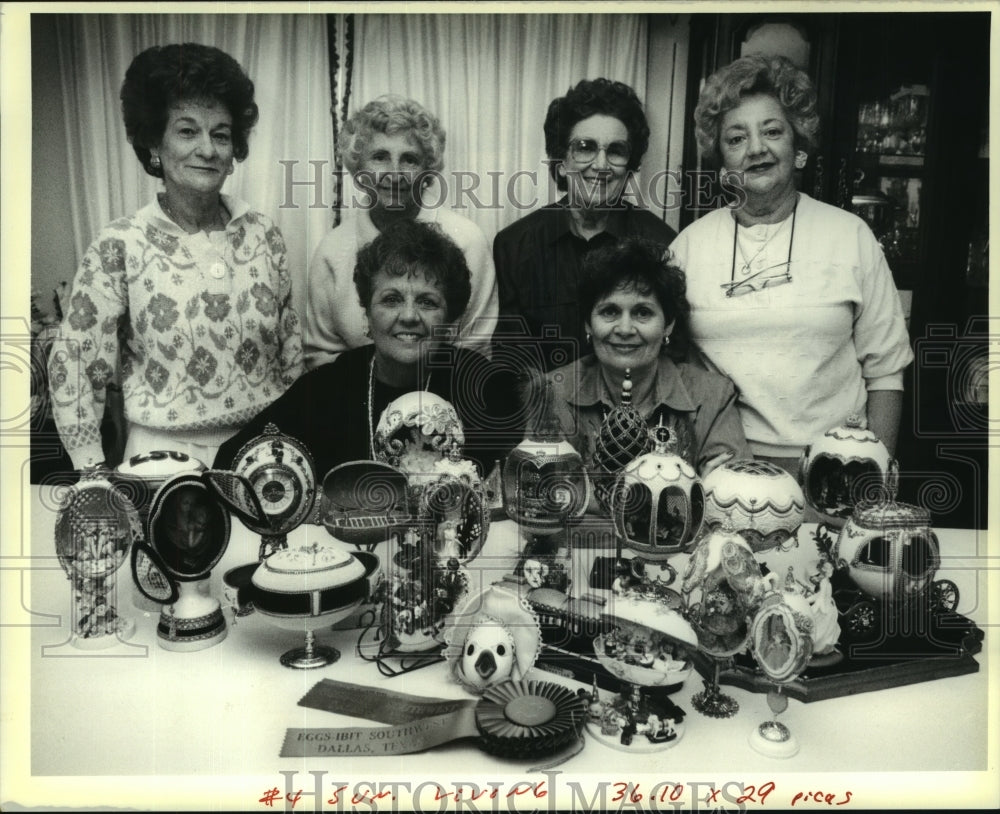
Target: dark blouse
<point x="327" y="408"/>
<point x="538" y="260"/>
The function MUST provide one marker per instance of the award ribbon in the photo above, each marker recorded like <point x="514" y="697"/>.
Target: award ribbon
<point x="516" y="719"/>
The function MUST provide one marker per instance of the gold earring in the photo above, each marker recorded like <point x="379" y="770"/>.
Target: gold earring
<point x="154" y="162"/>
<point x="800" y="159"/>
<point x="666" y="340"/>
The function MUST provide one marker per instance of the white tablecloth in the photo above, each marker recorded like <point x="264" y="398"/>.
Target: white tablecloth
<point x="181" y="730"/>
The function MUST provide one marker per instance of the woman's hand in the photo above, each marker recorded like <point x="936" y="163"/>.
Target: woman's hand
<point x="715" y="462"/>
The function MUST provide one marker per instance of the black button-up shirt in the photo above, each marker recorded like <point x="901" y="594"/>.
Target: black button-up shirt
<point x="538" y="260"/>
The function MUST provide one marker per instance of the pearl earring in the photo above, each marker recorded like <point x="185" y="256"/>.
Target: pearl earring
<point x="666" y="340"/>
<point x="155" y="162"/>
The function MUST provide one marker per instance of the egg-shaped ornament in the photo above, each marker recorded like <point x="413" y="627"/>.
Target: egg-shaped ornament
<point x="889" y="551"/>
<point x="141" y="476"/>
<point x="545" y="489"/>
<point x="309" y="587"/>
<point x="492" y="638"/>
<point x="781" y="642"/>
<point x="846" y="465"/>
<point x="646" y="645"/>
<point x="721" y="584"/>
<point x="427" y="578"/>
<point x="722" y="581"/>
<point x="363" y="502"/>
<point x="414" y="432"/>
<point x="622" y="438"/>
<point x="761" y="501"/>
<point x="658" y="503"/>
<point x="94" y="529"/>
<point x="280" y="471"/>
<point x="189" y="529"/>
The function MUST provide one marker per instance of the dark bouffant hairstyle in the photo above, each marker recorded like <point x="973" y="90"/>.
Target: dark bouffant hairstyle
<point x="748" y="76"/>
<point x="410" y="246"/>
<point x="591" y="97"/>
<point x="164" y="75"/>
<point x="648" y="266"/>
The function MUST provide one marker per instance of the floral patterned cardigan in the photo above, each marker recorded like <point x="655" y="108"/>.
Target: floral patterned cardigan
<point x="210" y="337"/>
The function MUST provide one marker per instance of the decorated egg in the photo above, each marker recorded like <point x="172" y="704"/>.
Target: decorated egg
<point x="622" y="438"/>
<point x="659" y="502"/>
<point x="140" y="477"/>
<point x="889" y="550"/>
<point x="414" y="432"/>
<point x="544" y="485"/>
<point x="761" y="500"/>
<point x="844" y="466"/>
<point x="722" y="582"/>
<point x="644" y="642"/>
<point x="454" y="504"/>
<point x="494" y="637"/>
<point x="363" y="501"/>
<point x="781" y="636"/>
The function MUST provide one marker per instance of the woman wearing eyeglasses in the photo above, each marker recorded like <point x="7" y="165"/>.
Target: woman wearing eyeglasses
<point x="790" y="297"/>
<point x="595" y="137"/>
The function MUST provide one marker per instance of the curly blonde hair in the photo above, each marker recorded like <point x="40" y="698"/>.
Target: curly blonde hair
<point x="773" y="76"/>
<point x="392" y="114"/>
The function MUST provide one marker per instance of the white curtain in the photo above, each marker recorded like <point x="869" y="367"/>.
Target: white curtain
<point x="286" y="57"/>
<point x="490" y="78"/>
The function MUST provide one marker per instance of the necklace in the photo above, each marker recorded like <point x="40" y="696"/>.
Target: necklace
<point x="222" y="216"/>
<point x="371" y="407"/>
<point x="745" y="268"/>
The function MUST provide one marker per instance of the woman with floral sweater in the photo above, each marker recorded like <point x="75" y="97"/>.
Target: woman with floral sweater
<point x="190" y="296"/>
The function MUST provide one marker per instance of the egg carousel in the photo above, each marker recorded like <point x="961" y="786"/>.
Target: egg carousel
<point x="446" y="522"/>
<point x="545" y="491"/>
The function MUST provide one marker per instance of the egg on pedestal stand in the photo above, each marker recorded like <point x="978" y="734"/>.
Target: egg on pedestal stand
<point x="781" y="642"/>
<point x="657" y="506"/>
<point x="721" y="585"/>
<point x="94" y="530"/>
<point x="545" y="490"/>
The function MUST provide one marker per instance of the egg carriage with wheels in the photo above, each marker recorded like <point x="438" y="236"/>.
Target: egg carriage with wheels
<point x="885" y="558"/>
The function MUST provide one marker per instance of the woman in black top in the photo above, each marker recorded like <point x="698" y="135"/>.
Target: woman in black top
<point x="413" y="283"/>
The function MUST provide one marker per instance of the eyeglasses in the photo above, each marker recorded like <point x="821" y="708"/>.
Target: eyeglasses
<point x="585" y="150"/>
<point x="759" y="281"/>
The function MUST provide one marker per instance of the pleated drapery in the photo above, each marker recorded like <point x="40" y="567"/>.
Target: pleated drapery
<point x="489" y="77"/>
